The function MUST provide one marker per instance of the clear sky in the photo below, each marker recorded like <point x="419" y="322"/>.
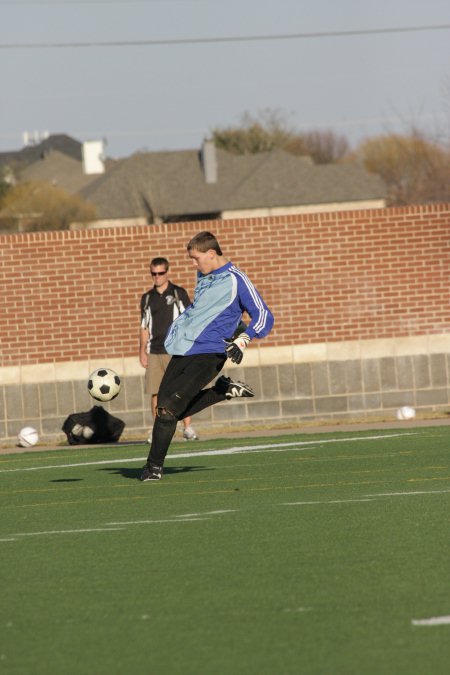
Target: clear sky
<point x="170" y="96"/>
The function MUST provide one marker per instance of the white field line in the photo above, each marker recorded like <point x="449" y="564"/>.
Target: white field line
<point x="208" y="513"/>
<point x="81" y="530"/>
<point x="150" y="521"/>
<point x="331" y="501"/>
<point x="369" y="498"/>
<point x="17" y="535"/>
<point x="272" y="447"/>
<point x="433" y="621"/>
<point x="408" y="494"/>
<point x="117" y="526"/>
<point x="179" y="518"/>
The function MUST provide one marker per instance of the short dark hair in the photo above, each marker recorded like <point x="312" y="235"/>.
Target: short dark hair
<point x="160" y="261"/>
<point x="203" y="241"/>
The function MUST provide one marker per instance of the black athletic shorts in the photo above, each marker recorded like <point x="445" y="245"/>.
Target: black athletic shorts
<point x="185" y="377"/>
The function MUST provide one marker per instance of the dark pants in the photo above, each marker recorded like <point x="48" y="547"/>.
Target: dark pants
<point x="181" y="395"/>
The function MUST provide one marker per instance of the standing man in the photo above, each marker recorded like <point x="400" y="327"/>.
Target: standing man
<point x="159" y="307"/>
<point x="200" y="341"/>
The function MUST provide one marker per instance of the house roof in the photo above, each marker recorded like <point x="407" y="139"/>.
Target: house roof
<point x="167" y="184"/>
<point x="58" y="169"/>
<point x="32" y="153"/>
<point x="172" y="185"/>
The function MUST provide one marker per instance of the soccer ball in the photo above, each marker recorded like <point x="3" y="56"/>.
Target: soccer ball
<point x="406" y="412"/>
<point x="103" y="384"/>
<point x="27" y="437"/>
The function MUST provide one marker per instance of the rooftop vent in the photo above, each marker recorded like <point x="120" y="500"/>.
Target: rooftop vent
<point x="34" y="137"/>
<point x="209" y="161"/>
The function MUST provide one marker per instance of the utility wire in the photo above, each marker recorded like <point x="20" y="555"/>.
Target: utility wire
<point x="18" y="3"/>
<point x="218" y="40"/>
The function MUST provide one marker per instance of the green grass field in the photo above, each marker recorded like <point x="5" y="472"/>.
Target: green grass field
<point x="309" y="554"/>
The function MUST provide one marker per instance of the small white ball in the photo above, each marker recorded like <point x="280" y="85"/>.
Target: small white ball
<point x="87" y="433"/>
<point x="27" y="437"/>
<point x="77" y="429"/>
<point x="406" y="412"/>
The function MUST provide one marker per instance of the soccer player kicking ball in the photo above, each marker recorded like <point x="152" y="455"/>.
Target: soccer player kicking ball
<point x="200" y="343"/>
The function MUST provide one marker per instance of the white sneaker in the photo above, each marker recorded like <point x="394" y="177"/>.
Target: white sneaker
<point x="189" y="434"/>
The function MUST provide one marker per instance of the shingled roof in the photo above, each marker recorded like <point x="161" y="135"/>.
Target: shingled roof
<point x="59" y="169"/>
<point x="171" y="185"/>
<point x="32" y="153"/>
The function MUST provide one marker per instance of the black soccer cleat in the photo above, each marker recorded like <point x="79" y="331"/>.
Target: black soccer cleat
<point x="151" y="472"/>
<point x="232" y="388"/>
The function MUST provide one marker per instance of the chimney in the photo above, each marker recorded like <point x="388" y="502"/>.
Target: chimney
<point x="209" y="161"/>
<point x="93" y="156"/>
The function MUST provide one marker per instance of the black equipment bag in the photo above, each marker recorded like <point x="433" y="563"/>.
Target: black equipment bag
<point x="95" y="426"/>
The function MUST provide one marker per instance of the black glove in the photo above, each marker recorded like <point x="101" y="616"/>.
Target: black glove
<point x="236" y="347"/>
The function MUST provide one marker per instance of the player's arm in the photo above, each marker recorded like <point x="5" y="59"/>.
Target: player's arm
<point x="261" y="318"/>
<point x="143" y="340"/>
<point x="144" y="331"/>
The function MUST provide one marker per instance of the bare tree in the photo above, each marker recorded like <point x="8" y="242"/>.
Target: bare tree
<point x="416" y="170"/>
<point x="270" y="130"/>
<point x="5" y="183"/>
<point x="325" y="146"/>
<point x="34" y="206"/>
<point x="253" y="135"/>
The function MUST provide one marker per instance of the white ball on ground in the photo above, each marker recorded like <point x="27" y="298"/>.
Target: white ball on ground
<point x="406" y="412"/>
<point x="28" y="436"/>
<point x="77" y="429"/>
<point x="87" y="433"/>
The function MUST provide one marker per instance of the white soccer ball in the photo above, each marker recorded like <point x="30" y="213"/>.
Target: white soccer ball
<point x="87" y="433"/>
<point x="27" y="437"/>
<point x="406" y="412"/>
<point x="104" y="384"/>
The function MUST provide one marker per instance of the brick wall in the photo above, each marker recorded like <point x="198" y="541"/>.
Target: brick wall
<point x="69" y="296"/>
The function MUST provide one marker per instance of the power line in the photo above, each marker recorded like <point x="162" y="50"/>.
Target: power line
<point x="225" y="39"/>
<point x="18" y="3"/>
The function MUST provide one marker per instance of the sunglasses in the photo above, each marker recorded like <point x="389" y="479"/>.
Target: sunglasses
<point x="158" y="274"/>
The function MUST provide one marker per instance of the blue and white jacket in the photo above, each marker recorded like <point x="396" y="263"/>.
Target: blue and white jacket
<point x="220" y="298"/>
